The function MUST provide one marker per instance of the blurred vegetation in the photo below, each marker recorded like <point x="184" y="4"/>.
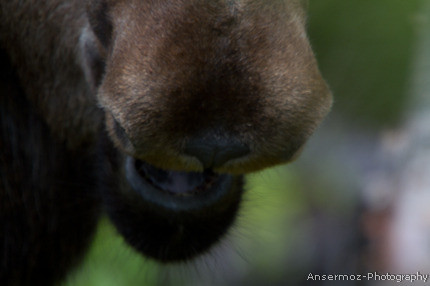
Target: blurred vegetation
<point x="365" y="49"/>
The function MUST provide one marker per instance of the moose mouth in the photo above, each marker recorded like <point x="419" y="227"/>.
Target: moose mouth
<point x="176" y="190"/>
<point x="169" y="215"/>
<point x="177" y="183"/>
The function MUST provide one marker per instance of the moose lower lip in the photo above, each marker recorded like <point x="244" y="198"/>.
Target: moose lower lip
<point x="176" y="191"/>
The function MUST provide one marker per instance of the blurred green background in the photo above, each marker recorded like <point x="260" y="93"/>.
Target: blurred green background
<point x="365" y="49"/>
<point x="298" y="218"/>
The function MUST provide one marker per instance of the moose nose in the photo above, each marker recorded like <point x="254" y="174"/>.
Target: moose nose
<point x="213" y="152"/>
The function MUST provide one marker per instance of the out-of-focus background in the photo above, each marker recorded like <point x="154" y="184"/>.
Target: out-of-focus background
<point x="357" y="200"/>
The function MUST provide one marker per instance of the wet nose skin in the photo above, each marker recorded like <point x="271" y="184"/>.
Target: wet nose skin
<point x="213" y="152"/>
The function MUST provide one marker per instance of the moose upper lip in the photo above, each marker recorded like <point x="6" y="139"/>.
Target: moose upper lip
<point x="176" y="190"/>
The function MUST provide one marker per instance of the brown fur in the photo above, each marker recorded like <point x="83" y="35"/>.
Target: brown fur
<point x="156" y="75"/>
<point x="244" y="68"/>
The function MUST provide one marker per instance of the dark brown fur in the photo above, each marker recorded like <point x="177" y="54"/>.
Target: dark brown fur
<point x="246" y="68"/>
<point x="156" y="75"/>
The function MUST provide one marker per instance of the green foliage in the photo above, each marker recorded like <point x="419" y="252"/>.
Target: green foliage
<point x="111" y="262"/>
<point x="364" y="48"/>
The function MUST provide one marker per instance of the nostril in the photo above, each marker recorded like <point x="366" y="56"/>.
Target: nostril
<point x="118" y="133"/>
<point x="215" y="152"/>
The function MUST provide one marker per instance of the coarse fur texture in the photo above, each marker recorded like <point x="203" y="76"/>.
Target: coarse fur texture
<point x="151" y="111"/>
